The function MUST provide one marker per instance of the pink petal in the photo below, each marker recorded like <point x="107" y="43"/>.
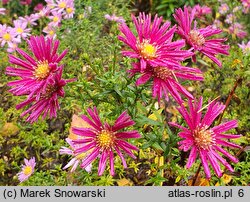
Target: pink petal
<point x="225" y="126"/>
<point x="87" y="132"/>
<point x="91" y="157"/>
<point x="228" y="155"/>
<point x="192" y="157"/>
<point x="203" y="156"/>
<point x="214" y="164"/>
<point x="121" y="156"/>
<point x="143" y="79"/>
<point x="223" y="161"/>
<point x="102" y="162"/>
<point x="111" y="162"/>
<point x="128" y="134"/>
<point x="228" y="144"/>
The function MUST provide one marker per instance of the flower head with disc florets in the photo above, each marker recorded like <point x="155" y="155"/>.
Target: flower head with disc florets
<point x="204" y="140"/>
<point x="152" y="44"/>
<point x="34" y="71"/>
<point x="199" y="39"/>
<point x="103" y="140"/>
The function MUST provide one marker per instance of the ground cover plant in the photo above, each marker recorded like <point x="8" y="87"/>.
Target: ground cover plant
<point x="124" y="93"/>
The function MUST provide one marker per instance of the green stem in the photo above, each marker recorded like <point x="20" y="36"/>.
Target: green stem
<point x="26" y="10"/>
<point x="196" y="175"/>
<point x="230" y="96"/>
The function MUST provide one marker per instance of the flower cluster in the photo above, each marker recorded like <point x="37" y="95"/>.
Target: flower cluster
<point x="55" y="11"/>
<point x="159" y="58"/>
<point x="40" y="77"/>
<point x="229" y="16"/>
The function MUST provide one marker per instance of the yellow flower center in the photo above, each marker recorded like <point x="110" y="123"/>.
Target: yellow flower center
<point x="51" y="32"/>
<point x="19" y="30"/>
<point x="27" y="170"/>
<point x="162" y="72"/>
<point x="55" y="19"/>
<point x="42" y="70"/>
<point x="147" y="50"/>
<point x="7" y="37"/>
<point x="203" y="138"/>
<point x="105" y="139"/>
<point x="196" y="38"/>
<point x="62" y="5"/>
<point x="69" y="10"/>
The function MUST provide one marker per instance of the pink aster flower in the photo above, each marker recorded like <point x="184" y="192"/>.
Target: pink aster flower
<point x="21" y="29"/>
<point x="30" y="20"/>
<point x="2" y="11"/>
<point x="203" y="139"/>
<point x="8" y="35"/>
<point x="238" y="30"/>
<point x="199" y="38"/>
<point x="245" y="47"/>
<point x="231" y="18"/>
<point x="114" y="18"/>
<point x="153" y="45"/>
<point x="69" y="12"/>
<point x="103" y="140"/>
<point x="56" y="19"/>
<point x="27" y="169"/>
<point x="50" y="31"/>
<point x="201" y="10"/>
<point x="223" y="9"/>
<point x="34" y="71"/>
<point x="165" y="80"/>
<point x="74" y="162"/>
<point x="47" y="104"/>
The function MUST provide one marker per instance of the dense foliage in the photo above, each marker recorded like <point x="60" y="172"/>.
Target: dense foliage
<point x="94" y="58"/>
